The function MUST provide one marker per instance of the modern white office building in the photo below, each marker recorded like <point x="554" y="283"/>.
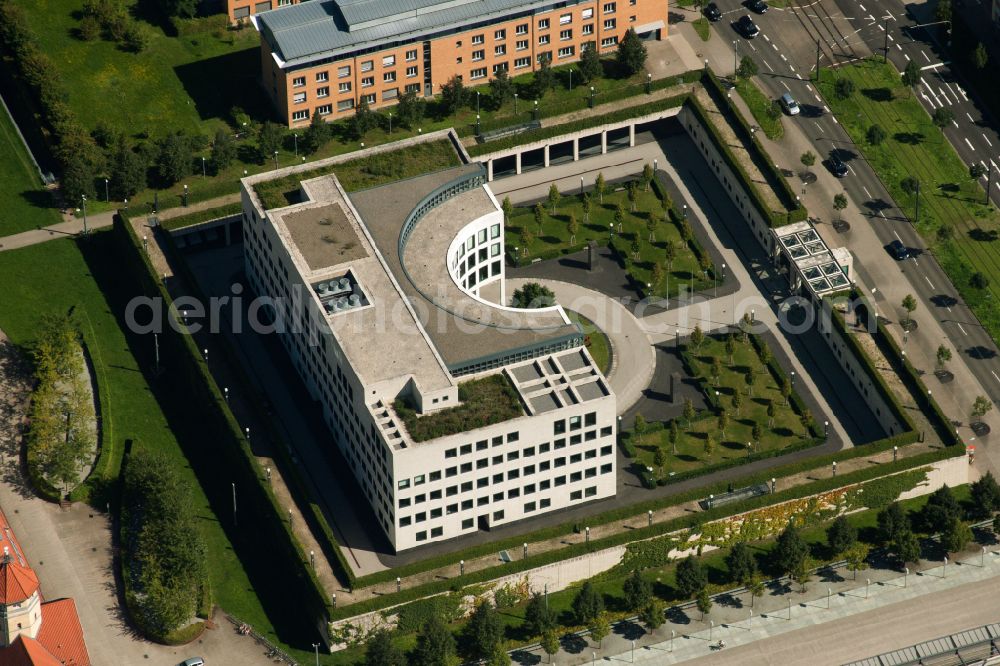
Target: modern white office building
<point x="455" y="413"/>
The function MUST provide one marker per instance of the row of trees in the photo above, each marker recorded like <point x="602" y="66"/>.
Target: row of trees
<point x="110" y="19"/>
<point x="163" y="553"/>
<point x="62" y="436"/>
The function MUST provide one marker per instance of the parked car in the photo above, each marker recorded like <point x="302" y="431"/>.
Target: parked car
<point x="898" y="251"/>
<point x="757" y="6"/>
<point x="836" y="165"/>
<point x="789" y="104"/>
<point x="712" y="12"/>
<point x="746" y="27"/>
<point x="193" y="661"/>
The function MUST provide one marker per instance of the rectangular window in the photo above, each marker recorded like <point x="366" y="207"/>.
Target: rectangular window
<point x="388" y="61"/>
<point x="411" y="56"/>
<point x="530" y="469"/>
<point x="543" y="24"/>
<point x="450" y="491"/>
<point x="483" y="482"/>
<point x="466" y="504"/>
<point x="497" y="441"/>
<point x="609" y="7"/>
<point x="343" y="72"/>
<point x="451" y="453"/>
<point x="500" y="49"/>
<point x="465" y="449"/>
<point x="388" y="77"/>
<point x="591" y="491"/>
<point x="323" y="92"/>
<point x="478" y="55"/>
<point x="498" y="478"/>
<point x="497" y="497"/>
<point x="565" y="35"/>
<point x="435" y="476"/>
<point x="544" y="485"/>
<point x="299" y="98"/>
<point x="575" y="439"/>
<point x="403" y="484"/>
<point x="436" y="513"/>
<point x="466" y="486"/>
<point x="368" y="82"/>
<point x="544" y="447"/>
<point x="590" y="419"/>
<point x="513" y="437"/>
<point x="590" y="435"/>
<point x="544" y="466"/>
<point x="606" y="468"/>
<point x="482" y="501"/>
<point x="367" y="65"/>
<point x="558" y="427"/>
<point x="422" y="536"/>
<point x="411" y="71"/>
<point x="324" y="110"/>
<point x="587" y="13"/>
<point x="529" y="451"/>
<point x="560" y="461"/>
<point x="482" y="445"/>
<point x="521" y="29"/>
<point x="418" y="480"/>
<point x="436" y="531"/>
<point x="587" y="29"/>
<point x="298" y="81"/>
<point x="420" y="517"/>
<point x="529" y="489"/>
<point x="575" y="495"/>
<point x="513" y="474"/>
<point x="560" y="481"/>
<point x="405" y="521"/>
<point x="483" y="463"/>
<point x="606" y="431"/>
<point x="498" y="515"/>
<point x="575" y="476"/>
<point x="543" y="39"/>
<point x="419" y="499"/>
<point x="344" y="86"/>
<point x="478" y="73"/>
<point x="513" y="455"/>
<point x="467" y="524"/>
<point x="478" y="39"/>
<point x="565" y="19"/>
<point x="345" y="105"/>
<point x="591" y="472"/>
<point x="529" y="507"/>
<point x="560" y="444"/>
<point x="575" y="423"/>
<point x="322" y="77"/>
<point x="544" y="504"/>
<point x="513" y="492"/>
<point x="404" y="502"/>
<point x="451" y="471"/>
<point x="435" y="494"/>
<point x="412" y="87"/>
<point x="500" y="34"/>
<point x="606" y="450"/>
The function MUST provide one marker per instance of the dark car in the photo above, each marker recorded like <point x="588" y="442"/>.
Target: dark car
<point x="757" y="6"/>
<point x="747" y="27"/>
<point x="898" y="250"/>
<point x="712" y="12"/>
<point x="836" y="166"/>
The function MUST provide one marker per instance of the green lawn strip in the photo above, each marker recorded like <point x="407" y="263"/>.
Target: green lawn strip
<point x="703" y="28"/>
<point x="364" y="172"/>
<point x="786" y="431"/>
<point x="596" y="341"/>
<point x="917" y="148"/>
<point x="181" y="221"/>
<point x="553" y="238"/>
<point x="760" y="106"/>
<point x="26" y="205"/>
<point x="483" y="402"/>
<point x="610" y="583"/>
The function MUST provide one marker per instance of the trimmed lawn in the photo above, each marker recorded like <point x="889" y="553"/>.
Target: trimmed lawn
<point x="553" y="238"/>
<point x="760" y="106"/>
<point x="787" y="428"/>
<point x="703" y="28"/>
<point x="25" y="202"/>
<point x="916" y="148"/>
<point x="596" y="341"/>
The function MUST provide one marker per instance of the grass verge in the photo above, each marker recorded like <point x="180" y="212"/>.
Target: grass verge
<point x="762" y="108"/>
<point x="26" y="205"/>
<point x="703" y="28"/>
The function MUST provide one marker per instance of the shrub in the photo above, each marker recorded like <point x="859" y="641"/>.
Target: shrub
<point x="843" y="88"/>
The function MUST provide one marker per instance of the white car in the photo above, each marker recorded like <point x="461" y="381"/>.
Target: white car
<point x="193" y="661"/>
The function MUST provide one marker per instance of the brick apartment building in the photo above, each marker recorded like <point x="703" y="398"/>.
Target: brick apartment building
<point x="241" y="10"/>
<point x="321" y="57"/>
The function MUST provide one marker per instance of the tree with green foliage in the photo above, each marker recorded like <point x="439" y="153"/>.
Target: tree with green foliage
<point x="174" y="160"/>
<point x="526" y="238"/>
<point x="940" y="509"/>
<point x="669" y="253"/>
<point x="501" y="88"/>
<point x="533" y="295"/>
<point x="652" y="616"/>
<point x="876" y="134"/>
<point x="180" y="8"/>
<point x="435" y="645"/>
<point x="590" y="63"/>
<point x="454" y="95"/>
<point x="757" y="433"/>
<point x="697" y="338"/>
<point x="755" y="587"/>
<point x="690" y="576"/>
<point x="553" y="198"/>
<point x="942" y="117"/>
<point x="688" y="411"/>
<point x="704" y="603"/>
<point x="943" y="11"/>
<point x="709" y="445"/>
<point x="545" y="78"/>
<point x="944" y="232"/>
<point x="750" y="378"/>
<point x="942" y="356"/>
<point x="910" y="305"/>
<point x="128" y="171"/>
<point x="789" y="550"/>
<point x="996" y="524"/>
<point x="223" y="150"/>
<point x="638" y="591"/>
<point x="803" y="573"/>
<point x="539" y="619"/>
<point x="979" y="281"/>
<point x="508" y="209"/>
<point x="747" y="68"/>
<point x="588" y="205"/>
<point x="572" y="226"/>
<point x="484" y="630"/>
<point x="619" y="217"/>
<point x="600" y="187"/>
<point x="843" y="88"/>
<point x="587" y="604"/>
<point x="659" y="459"/>
<point x="364" y="119"/>
<point x="891" y="521"/>
<point x="271" y="135"/>
<point x="656" y="274"/>
<point x="912" y="75"/>
<point x="600" y="629"/>
<point x="840" y="203"/>
<point x="985" y="495"/>
<point x="741" y="563"/>
<point x="411" y="109"/>
<point x="550" y="643"/>
<point x="981" y="407"/>
<point x="723" y="422"/>
<point x="316" y="135"/>
<point x="841" y="534"/>
<point x="857" y="557"/>
<point x="955" y="535"/>
<point x="906" y="546"/>
<point x="632" y="53"/>
<point x="716" y="370"/>
<point x="731" y="347"/>
<point x="539" y="213"/>
<point x="632" y="193"/>
<point x="673" y="432"/>
<point x="498" y="656"/>
<point x="976" y="171"/>
<point x="771" y="413"/>
<point x="808" y="158"/>
<point x="980" y="57"/>
<point x="381" y="651"/>
<point x="647" y="175"/>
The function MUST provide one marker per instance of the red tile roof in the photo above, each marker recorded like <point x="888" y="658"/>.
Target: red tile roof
<point x="17" y="580"/>
<point x="61" y="633"/>
<point x="25" y="651"/>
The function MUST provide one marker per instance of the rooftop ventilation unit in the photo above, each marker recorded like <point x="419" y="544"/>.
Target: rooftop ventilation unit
<point x="340" y="294"/>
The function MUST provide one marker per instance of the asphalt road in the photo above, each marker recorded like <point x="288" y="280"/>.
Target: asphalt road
<point x="786" y="50"/>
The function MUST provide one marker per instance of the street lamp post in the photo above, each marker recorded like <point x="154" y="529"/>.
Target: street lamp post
<point x="107" y="197"/>
<point x="225" y="392"/>
<point x="525" y="549"/>
<point x="672" y="634"/>
<point x="826" y="429"/>
<point x="649" y="84"/>
<point x="581" y="186"/>
<point x="829" y="592"/>
<point x="515" y="104"/>
<point x="774" y="483"/>
<point x="649" y="516"/>
<point x="834" y="468"/>
<point x="185" y="196"/>
<point x="203" y="174"/>
<point x="792" y="374"/>
<point x="234" y="505"/>
<point x="534" y="112"/>
<point x="633" y="652"/>
<point x="276" y="160"/>
<point x="83" y="198"/>
<point x="477" y="102"/>
<point x="895" y="453"/>
<point x="591" y="96"/>
<point x="477" y="123"/>
<point x="295" y="137"/>
<point x="316" y="648"/>
<point x="461" y="567"/>
<point x="868" y="582"/>
<point x="571" y="79"/>
<point x="736" y="57"/>
<point x="587" y="530"/>
<point x="390" y="122"/>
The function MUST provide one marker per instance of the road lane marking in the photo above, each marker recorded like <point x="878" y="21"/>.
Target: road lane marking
<point x="892" y="39"/>
<point x="945" y="95"/>
<point x="960" y="328"/>
<point x="929" y="281"/>
<point x="924" y="54"/>
<point x="818" y="98"/>
<point x="969" y="116"/>
<point x="954" y="123"/>
<point x="862" y="7"/>
<point x="767" y="64"/>
<point x="929" y="100"/>
<point x="894" y="233"/>
<point x="969" y="144"/>
<point x="995" y="375"/>
<point x="867" y="193"/>
<point x="783" y="57"/>
<point x="987" y="140"/>
<point x="793" y="70"/>
<point x="905" y="54"/>
<point x="767" y="39"/>
<point x="799" y="77"/>
<point x="786" y="86"/>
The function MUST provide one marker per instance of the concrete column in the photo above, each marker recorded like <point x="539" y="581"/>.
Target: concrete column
<point x="604" y="142"/>
<point x="545" y="152"/>
<point x="489" y="170"/>
<point x="631" y="135"/>
<point x="517" y="163"/>
<point x="576" y="149"/>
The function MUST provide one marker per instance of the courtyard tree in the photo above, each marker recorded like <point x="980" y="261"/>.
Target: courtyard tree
<point x="631" y="53"/>
<point x="944" y="232"/>
<point x="587" y="604"/>
<point x="550" y="643"/>
<point x="757" y="433"/>
<point x="985" y="495"/>
<point x="533" y="295"/>
<point x="508" y="209"/>
<point x="600" y="187"/>
<point x="553" y="198"/>
<point x="659" y="459"/>
<point x="976" y="171"/>
<point x="656" y="274"/>
<point x="539" y="212"/>
<point x="789" y="550"/>
<point x="843" y="88"/>
<point x="688" y="412"/>
<point x="716" y="370"/>
<point x="647" y="175"/>
<point x="498" y="656"/>
<point x="545" y="78"/>
<point x="632" y="194"/>
<point x="979" y="280"/>
<point x="128" y="171"/>
<point x="704" y="603"/>
<point x="857" y="558"/>
<point x="673" y="432"/>
<point x="640" y="424"/>
<point x="435" y="645"/>
<point x="723" y="421"/>
<point x="806" y="418"/>
<point x="635" y="248"/>
<point x="538" y="618"/>
<point x="526" y="238"/>
<point x="454" y="95"/>
<point x="750" y="378"/>
<point x="910" y="305"/>
<point x="174" y="160"/>
<point x="590" y="64"/>
<point x="638" y="591"/>
<point x="690" y="576"/>
<point x="270" y="135"/>
<point x="501" y="88"/>
<point x="741" y="563"/>
<point x="770" y="413"/>
<point x="484" y="630"/>
<point x="572" y="227"/>
<point x="755" y="587"/>
<point x="600" y="629"/>
<point x="876" y="134"/>
<point x="943" y="11"/>
<point x="651" y="223"/>
<point x="956" y="535"/>
<point x="652" y="616"/>
<point x="737" y="402"/>
<point x="730" y="347"/>
<point x="410" y="109"/>
<point x="697" y="338"/>
<point x="981" y="406"/>
<point x="841" y="534"/>
<point x="665" y="207"/>
<point x="669" y="253"/>
<point x="588" y="205"/>
<point x="317" y="134"/>
<point x="223" y="150"/>
<point x="709" y="445"/>
<point x="786" y="389"/>
<point x="619" y="217"/>
<point x="745" y="326"/>
<point x="803" y="573"/>
<point x="381" y="651"/>
<point x="839" y="204"/>
<point x="891" y="521"/>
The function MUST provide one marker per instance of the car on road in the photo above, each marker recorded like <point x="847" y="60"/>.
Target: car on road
<point x="757" y="6"/>
<point x="746" y="27"/>
<point x="712" y="12"/>
<point x="836" y="165"/>
<point x="193" y="661"/>
<point x="898" y="251"/>
<point x="789" y="104"/>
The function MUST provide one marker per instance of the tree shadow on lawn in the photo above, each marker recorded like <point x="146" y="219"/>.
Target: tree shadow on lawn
<point x="909" y="138"/>
<point x="983" y="235"/>
<point x="216" y="85"/>
<point x="877" y="94"/>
